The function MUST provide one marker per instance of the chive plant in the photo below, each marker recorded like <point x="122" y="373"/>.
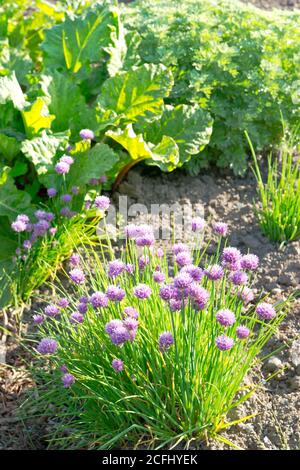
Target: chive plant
<point x="279" y="211"/>
<point x="149" y="349"/>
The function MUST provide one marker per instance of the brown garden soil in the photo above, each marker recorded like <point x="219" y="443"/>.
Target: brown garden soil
<point x="276" y="402"/>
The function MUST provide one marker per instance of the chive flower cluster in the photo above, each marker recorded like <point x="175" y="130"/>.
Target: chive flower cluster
<point x="146" y="287"/>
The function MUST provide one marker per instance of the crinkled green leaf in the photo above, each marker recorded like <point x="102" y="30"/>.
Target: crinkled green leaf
<point x="42" y="150"/>
<point x="123" y="52"/>
<point x="12" y="200"/>
<point x="79" y="41"/>
<point x="36" y="118"/>
<point x="165" y="154"/>
<point x="189" y="126"/>
<point x="12" y="59"/>
<point x="10" y="90"/>
<point x="64" y="99"/>
<point x="91" y="164"/>
<point x="9" y="146"/>
<point x="8" y="246"/>
<point x="137" y="93"/>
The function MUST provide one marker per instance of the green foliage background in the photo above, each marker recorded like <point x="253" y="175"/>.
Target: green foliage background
<point x="237" y="62"/>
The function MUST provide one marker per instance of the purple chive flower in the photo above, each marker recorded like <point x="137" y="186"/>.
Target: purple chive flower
<point x="249" y="262"/>
<point x="182" y="280"/>
<point x="179" y="248"/>
<point x="39" y="214"/>
<point x="103" y="179"/>
<point x="49" y="216"/>
<point x="115" y="268"/>
<point x="63" y="369"/>
<point x="29" y="228"/>
<point x="93" y="181"/>
<point x="183" y="258"/>
<point x="120" y="335"/>
<point x="165" y="341"/>
<point x="23" y="217"/>
<point x="66" y="198"/>
<point x="47" y="346"/>
<point x="51" y="311"/>
<point x="130" y="323"/>
<point x="74" y="259"/>
<point x="246" y="294"/>
<point x="51" y="192"/>
<point x="67" y="159"/>
<point x="145" y="240"/>
<point x="214" y="272"/>
<point x="242" y="332"/>
<point x="176" y="304"/>
<point x="77" y="276"/>
<point x="225" y="317"/>
<point x="115" y="293"/>
<point x="199" y="295"/>
<point x="142" y="291"/>
<point x="143" y="261"/>
<point x="102" y="203"/>
<point x="265" y="311"/>
<point x="198" y="224"/>
<point x="68" y="380"/>
<point x="220" y="228"/>
<point x="131" y="312"/>
<point x="87" y="134"/>
<point x="166" y="292"/>
<point x="27" y="244"/>
<point x="129" y="268"/>
<point x="76" y="317"/>
<point x="62" y="168"/>
<point x="18" y="251"/>
<point x="160" y="252"/>
<point x="224" y="343"/>
<point x="231" y="258"/>
<point x="41" y="227"/>
<point x="158" y="277"/>
<point x="83" y="299"/>
<point x="82" y="308"/>
<point x="66" y="212"/>
<point x="99" y="300"/>
<point x="38" y="319"/>
<point x="238" y="278"/>
<point x="87" y="205"/>
<point x="194" y="271"/>
<point x="118" y="365"/>
<point x="131" y="231"/>
<point x="112" y="325"/>
<point x="18" y="226"/>
<point x="63" y="303"/>
<point x="52" y="231"/>
<point x="75" y="190"/>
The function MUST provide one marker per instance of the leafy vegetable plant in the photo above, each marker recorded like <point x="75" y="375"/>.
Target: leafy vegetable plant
<point x="149" y="348"/>
<point x="76" y="72"/>
<point x="239" y="63"/>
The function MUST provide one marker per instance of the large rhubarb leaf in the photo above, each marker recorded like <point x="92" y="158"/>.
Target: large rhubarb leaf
<point x="137" y="93"/>
<point x="42" y="150"/>
<point x="79" y="41"/>
<point x="189" y="126"/>
<point x="165" y="154"/>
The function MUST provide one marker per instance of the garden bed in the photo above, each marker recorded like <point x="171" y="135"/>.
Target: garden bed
<point x="223" y="198"/>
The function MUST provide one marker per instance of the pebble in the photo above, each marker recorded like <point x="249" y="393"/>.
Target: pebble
<point x="295" y="383"/>
<point x="274" y="363"/>
<point x="295" y="353"/>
